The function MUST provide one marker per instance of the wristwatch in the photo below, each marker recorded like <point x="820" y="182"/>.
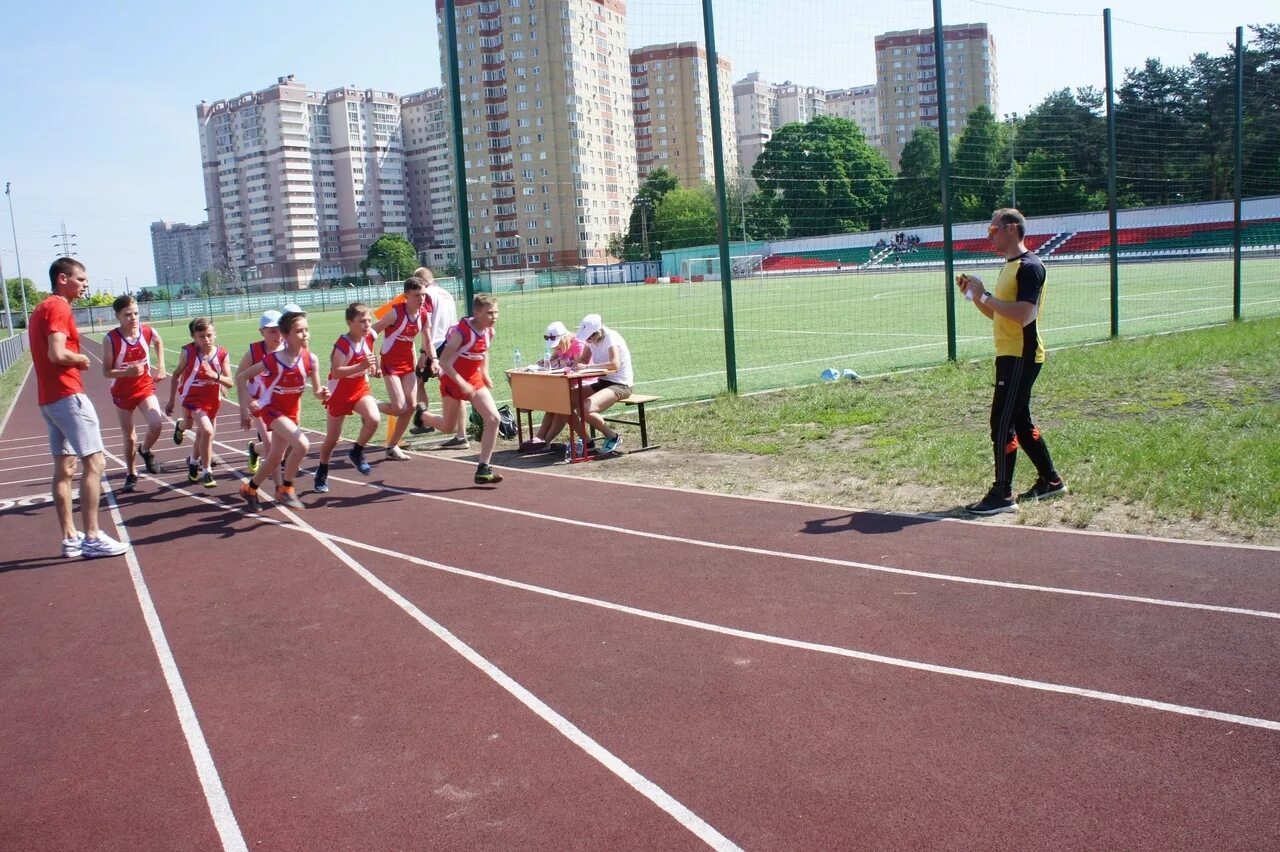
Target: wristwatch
<point x="985" y="297"/>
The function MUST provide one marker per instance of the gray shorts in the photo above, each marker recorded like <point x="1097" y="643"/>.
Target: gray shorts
<point x="73" y="426"/>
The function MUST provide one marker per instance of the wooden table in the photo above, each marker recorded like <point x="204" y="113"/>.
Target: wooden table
<point x="555" y="393"/>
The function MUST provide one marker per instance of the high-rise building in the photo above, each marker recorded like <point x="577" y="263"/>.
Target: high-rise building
<point x="860" y="105"/>
<point x="182" y="252"/>
<point x="547" y="129"/>
<point x="428" y="169"/>
<point x="907" y="80"/>
<point x="755" y="104"/>
<point x="761" y="108"/>
<point x="671" y="93"/>
<point x="299" y="184"/>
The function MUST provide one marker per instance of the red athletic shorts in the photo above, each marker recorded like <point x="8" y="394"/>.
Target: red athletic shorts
<point x="344" y="404"/>
<point x="208" y="404"/>
<point x="397" y="362"/>
<point x="449" y="388"/>
<point x="130" y="403"/>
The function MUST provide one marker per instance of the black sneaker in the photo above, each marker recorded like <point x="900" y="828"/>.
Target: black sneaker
<point x="193" y="471"/>
<point x="254" y="461"/>
<point x="418" y="427"/>
<point x="358" y="461"/>
<point x="177" y="431"/>
<point x="321" y="485"/>
<point x="130" y="483"/>
<point x="149" y="459"/>
<point x="486" y="475"/>
<point x="1043" y="490"/>
<point x="994" y="503"/>
<point x="208" y="481"/>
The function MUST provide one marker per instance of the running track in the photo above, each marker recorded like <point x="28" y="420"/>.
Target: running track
<point x="417" y="663"/>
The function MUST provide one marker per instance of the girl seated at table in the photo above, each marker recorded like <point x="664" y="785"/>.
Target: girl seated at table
<point x="565" y="352"/>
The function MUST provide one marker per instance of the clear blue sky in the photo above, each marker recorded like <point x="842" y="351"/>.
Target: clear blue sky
<point x="98" y="108"/>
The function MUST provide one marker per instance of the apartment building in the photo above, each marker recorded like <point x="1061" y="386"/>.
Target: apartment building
<point x="300" y="183"/>
<point x="761" y="108"/>
<point x="799" y="103"/>
<point x="428" y="169"/>
<point x="547" y="129"/>
<point x="182" y="253"/>
<point x="907" y="81"/>
<point x="860" y="105"/>
<point x="671" y="94"/>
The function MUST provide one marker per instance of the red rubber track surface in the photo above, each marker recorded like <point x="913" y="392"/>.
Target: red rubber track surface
<point x="336" y="720"/>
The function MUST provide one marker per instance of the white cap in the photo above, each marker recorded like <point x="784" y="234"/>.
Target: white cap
<point x="291" y="308"/>
<point x="270" y="319"/>
<point x="556" y="330"/>
<point x="590" y="325"/>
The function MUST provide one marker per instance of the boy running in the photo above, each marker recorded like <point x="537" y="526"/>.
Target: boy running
<point x="126" y="358"/>
<point x="247" y="391"/>
<point x="350" y="364"/>
<point x="464" y="377"/>
<point x="279" y="406"/>
<point x="444" y="316"/>
<point x="204" y="369"/>
<point x="399" y="328"/>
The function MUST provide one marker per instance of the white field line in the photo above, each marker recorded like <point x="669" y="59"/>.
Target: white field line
<point x="215" y="794"/>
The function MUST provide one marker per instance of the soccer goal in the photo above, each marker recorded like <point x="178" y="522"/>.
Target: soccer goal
<point x="708" y="268"/>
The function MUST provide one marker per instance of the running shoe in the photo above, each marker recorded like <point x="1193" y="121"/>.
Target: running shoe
<point x="1043" y="490"/>
<point x="486" y="475"/>
<point x="611" y="444"/>
<point x="250" y="496"/>
<point x="397" y="454"/>
<point x="193" y="471"/>
<point x="360" y="463"/>
<point x="288" y="497"/>
<point x="130" y="483"/>
<point x="102" y="545"/>
<point x="72" y="548"/>
<point x="254" y="460"/>
<point x="149" y="459"/>
<point x="208" y="481"/>
<point x="177" y="431"/>
<point x="322" y="480"/>
<point x="996" y="501"/>
<point x="456" y="443"/>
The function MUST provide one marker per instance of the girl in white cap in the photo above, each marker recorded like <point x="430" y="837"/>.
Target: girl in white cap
<point x="565" y="351"/>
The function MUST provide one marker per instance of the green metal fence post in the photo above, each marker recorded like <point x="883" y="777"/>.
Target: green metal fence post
<point x="1238" y="236"/>
<point x="722" y="201"/>
<point x="944" y="154"/>
<point x="459" y="150"/>
<point x="1112" y="201"/>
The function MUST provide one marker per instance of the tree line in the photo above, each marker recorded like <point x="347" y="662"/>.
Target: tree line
<point x="1175" y="143"/>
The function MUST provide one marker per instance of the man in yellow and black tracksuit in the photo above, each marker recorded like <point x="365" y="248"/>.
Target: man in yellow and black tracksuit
<point x="1014" y="308"/>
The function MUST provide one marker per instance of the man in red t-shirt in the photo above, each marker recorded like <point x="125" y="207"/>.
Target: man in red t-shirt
<point x="68" y="413"/>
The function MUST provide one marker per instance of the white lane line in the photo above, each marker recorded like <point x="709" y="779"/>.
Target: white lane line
<point x="822" y="560"/>
<point x="952" y="671"/>
<point x="24" y="481"/>
<point x="215" y="795"/>
<point x="13" y="403"/>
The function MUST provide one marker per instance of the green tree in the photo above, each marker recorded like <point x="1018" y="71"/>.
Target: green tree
<point x="916" y="198"/>
<point x="639" y="239"/>
<point x="1157" y="124"/>
<point x="685" y="218"/>
<point x="1072" y="127"/>
<point x="393" y="256"/>
<point x="766" y="218"/>
<point x="16" y="286"/>
<point x="979" y="167"/>
<point x="1045" y="188"/>
<point x="95" y="300"/>
<point x="828" y="178"/>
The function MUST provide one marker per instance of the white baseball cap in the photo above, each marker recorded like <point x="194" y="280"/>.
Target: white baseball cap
<point x="291" y="308"/>
<point x="270" y="319"/>
<point x="555" y="331"/>
<point x="590" y="324"/>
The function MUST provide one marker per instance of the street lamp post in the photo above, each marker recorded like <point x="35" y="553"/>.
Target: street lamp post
<point x="22" y="287"/>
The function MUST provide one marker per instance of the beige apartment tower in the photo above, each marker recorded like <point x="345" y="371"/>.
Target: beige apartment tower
<point x="670" y="90"/>
<point x="907" y="81"/>
<point x="428" y="169"/>
<point x="547" y="129"/>
<point x="860" y="105"/>
<point x="300" y="183"/>
<point x="760" y="108"/>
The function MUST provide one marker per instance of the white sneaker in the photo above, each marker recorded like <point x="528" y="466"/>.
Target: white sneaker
<point x="73" y="548"/>
<point x="397" y="454"/>
<point x="103" y="545"/>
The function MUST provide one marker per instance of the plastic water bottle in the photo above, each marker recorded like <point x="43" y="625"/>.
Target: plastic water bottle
<point x="517" y="361"/>
<point x="546" y="357"/>
<point x="830" y="375"/>
<point x="851" y="375"/>
<point x="568" y="451"/>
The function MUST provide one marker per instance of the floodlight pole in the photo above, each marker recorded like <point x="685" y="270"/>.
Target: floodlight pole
<point x="944" y="153"/>
<point x="722" y="200"/>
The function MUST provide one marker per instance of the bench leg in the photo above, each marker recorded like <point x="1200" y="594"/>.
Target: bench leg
<point x="644" y="428"/>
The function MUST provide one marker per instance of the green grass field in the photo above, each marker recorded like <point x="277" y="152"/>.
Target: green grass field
<point x="789" y="329"/>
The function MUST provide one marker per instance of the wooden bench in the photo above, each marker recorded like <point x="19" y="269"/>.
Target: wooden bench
<point x="638" y="401"/>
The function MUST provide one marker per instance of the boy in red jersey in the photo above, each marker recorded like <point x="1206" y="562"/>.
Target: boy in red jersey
<point x="247" y="391"/>
<point x="279" y="406"/>
<point x="126" y="358"/>
<point x="464" y="377"/>
<point x="203" y="370"/>
<point x="350" y="365"/>
<point x="399" y="328"/>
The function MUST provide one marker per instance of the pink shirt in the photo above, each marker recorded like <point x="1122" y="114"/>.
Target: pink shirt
<point x="560" y="360"/>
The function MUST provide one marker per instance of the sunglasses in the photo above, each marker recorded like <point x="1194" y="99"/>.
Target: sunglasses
<point x="550" y="337"/>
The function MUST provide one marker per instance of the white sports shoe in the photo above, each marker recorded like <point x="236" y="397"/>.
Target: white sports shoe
<point x="103" y="545"/>
<point x="397" y="454"/>
<point x="73" y="548"/>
